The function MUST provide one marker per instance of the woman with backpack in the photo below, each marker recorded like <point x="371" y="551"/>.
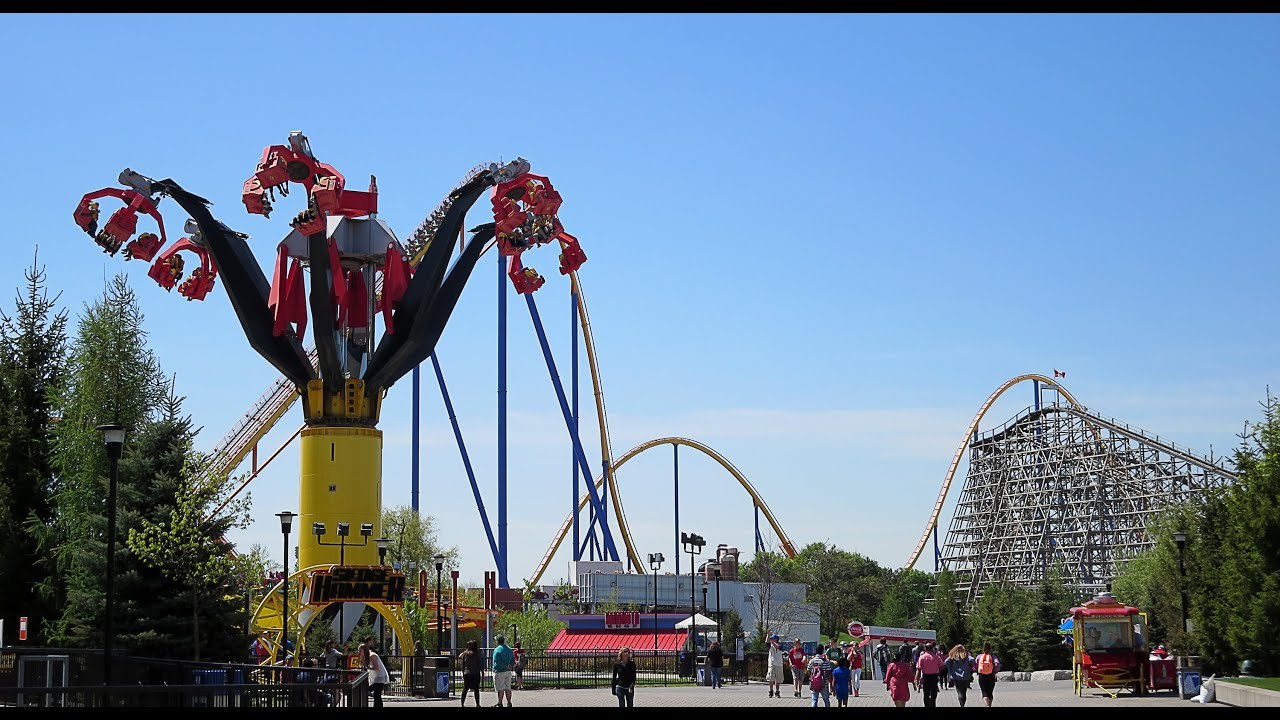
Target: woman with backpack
<point x="820" y="678"/>
<point x="960" y="671"/>
<point x="899" y="678"/>
<point x="987" y="666"/>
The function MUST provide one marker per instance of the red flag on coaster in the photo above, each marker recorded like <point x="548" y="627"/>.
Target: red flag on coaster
<point x="1059" y="373"/>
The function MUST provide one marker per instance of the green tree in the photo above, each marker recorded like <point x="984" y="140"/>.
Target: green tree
<point x="414" y="540"/>
<point x="536" y="628"/>
<point x="844" y="585"/>
<point x="32" y="363"/>
<point x="944" y="612"/>
<point x="1004" y="617"/>
<point x="1054" y="599"/>
<point x="904" y="599"/>
<point x="112" y="377"/>
<point x="177" y="536"/>
<point x="1250" y="541"/>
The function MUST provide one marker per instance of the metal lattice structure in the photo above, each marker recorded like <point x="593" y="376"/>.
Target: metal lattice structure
<point x="1060" y="485"/>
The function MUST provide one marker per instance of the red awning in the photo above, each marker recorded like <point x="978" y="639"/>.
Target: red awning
<point x="608" y="641"/>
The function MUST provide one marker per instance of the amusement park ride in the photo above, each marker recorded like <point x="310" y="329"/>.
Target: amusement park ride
<point x="357" y="269"/>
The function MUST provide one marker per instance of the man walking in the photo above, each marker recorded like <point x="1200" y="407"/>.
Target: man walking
<point x="503" y="662"/>
<point x="774" y="675"/>
<point x="883" y="656"/>
<point x="928" y="667"/>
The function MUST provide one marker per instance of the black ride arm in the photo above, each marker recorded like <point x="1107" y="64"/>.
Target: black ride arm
<point x="246" y="286"/>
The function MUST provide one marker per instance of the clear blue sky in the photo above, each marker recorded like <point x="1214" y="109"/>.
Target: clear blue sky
<point x="816" y="242"/>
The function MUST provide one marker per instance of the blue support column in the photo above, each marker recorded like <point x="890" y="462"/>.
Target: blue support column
<point x="759" y="540"/>
<point x="466" y="459"/>
<point x="610" y="550"/>
<point x="937" y="553"/>
<point x="573" y="334"/>
<point x="502" y="421"/>
<point x="675" y="457"/>
<point x="413" y="473"/>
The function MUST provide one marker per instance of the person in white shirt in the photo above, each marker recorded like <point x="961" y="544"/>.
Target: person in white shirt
<point x="774" y="675"/>
<point x="379" y="678"/>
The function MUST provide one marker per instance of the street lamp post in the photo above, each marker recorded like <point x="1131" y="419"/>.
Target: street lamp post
<point x="113" y="438"/>
<point x="704" y="594"/>
<point x="383" y="544"/>
<point x="286" y="523"/>
<point x="1181" y="539"/>
<point x="693" y="545"/>
<point x="715" y="568"/>
<point x="439" y="617"/>
<point x="655" y="562"/>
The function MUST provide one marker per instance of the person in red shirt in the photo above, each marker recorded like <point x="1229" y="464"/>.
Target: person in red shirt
<point x="1159" y="653"/>
<point x="854" y="655"/>
<point x="796" y="656"/>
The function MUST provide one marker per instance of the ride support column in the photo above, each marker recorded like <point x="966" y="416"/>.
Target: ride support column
<point x="340" y="481"/>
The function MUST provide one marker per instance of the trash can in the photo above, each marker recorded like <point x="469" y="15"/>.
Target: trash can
<point x="686" y="664"/>
<point x="1188" y="676"/>
<point x="704" y="670"/>
<point x="438" y="675"/>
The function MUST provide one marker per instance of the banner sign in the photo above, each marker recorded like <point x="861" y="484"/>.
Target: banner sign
<point x="623" y="620"/>
<point x="358" y="583"/>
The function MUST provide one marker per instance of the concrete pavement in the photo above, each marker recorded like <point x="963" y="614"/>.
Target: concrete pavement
<point x="873" y="694"/>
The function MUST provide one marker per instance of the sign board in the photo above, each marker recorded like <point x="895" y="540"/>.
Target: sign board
<point x="856" y="629"/>
<point x="357" y="583"/>
<point x="623" y="620"/>
<point x="22" y="628"/>
<point x="893" y="634"/>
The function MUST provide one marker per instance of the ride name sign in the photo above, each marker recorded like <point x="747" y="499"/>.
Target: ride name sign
<point x="357" y="583"/>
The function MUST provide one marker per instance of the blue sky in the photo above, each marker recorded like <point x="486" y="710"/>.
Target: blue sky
<point x="816" y="242"/>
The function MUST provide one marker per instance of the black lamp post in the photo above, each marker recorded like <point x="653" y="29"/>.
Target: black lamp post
<point x="113" y="438"/>
<point x="693" y="545"/>
<point x="655" y="562"/>
<point x="1181" y="539"/>
<point x="715" y="568"/>
<point x="286" y="524"/>
<point x="383" y="544"/>
<point x="439" y="617"/>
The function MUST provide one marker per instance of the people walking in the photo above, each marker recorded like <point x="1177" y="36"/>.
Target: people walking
<point x="820" y="668"/>
<point x="854" y="656"/>
<point x="899" y="677"/>
<point x="928" y="667"/>
<point x="960" y="669"/>
<point x="841" y="681"/>
<point x="503" y="662"/>
<point x="883" y="655"/>
<point x="715" y="660"/>
<point x="987" y="665"/>
<point x="797" y="658"/>
<point x="773" y="676"/>
<point x="472" y="663"/>
<point x="379" y="678"/>
<point x="518" y="667"/>
<point x="624" y="678"/>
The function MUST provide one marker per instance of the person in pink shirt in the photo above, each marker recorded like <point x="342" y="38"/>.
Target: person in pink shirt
<point x="899" y="678"/>
<point x="853" y="652"/>
<point x="928" y="666"/>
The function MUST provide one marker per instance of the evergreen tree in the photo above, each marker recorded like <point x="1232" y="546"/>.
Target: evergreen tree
<point x="1054" y="600"/>
<point x="181" y="577"/>
<point x="948" y="621"/>
<point x="1251" y="552"/>
<point x="111" y="378"/>
<point x="32" y="363"/>
<point x="1004" y="617"/>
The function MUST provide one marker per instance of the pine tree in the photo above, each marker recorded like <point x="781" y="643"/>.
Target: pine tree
<point x="111" y="378"/>
<point x="186" y="596"/>
<point x="948" y="621"/>
<point x="32" y="363"/>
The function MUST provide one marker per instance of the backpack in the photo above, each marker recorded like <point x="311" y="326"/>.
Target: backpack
<point x="816" y="679"/>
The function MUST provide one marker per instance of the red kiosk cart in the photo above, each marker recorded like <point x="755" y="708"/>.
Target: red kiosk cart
<point x="1109" y="647"/>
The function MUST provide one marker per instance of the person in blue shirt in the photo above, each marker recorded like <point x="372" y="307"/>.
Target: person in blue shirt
<point x="504" y="661"/>
<point x="841" y="680"/>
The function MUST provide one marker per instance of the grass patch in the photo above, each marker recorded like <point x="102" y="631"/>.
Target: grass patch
<point x="1264" y="683"/>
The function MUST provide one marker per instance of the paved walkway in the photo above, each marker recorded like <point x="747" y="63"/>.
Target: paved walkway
<point x="1007" y="694"/>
